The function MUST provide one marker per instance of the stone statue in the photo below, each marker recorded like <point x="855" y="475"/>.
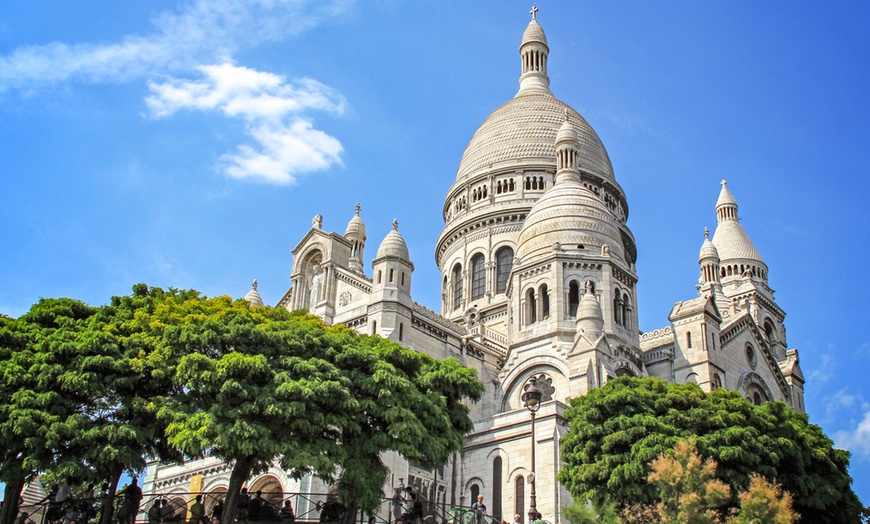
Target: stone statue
<point x="316" y="280"/>
<point x="317" y="221"/>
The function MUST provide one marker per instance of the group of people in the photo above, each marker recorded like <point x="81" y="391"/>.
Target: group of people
<point x="256" y="508"/>
<point x="249" y="508"/>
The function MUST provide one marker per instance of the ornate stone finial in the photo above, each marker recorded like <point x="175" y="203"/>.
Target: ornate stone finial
<point x="317" y="221"/>
<point x="566" y="115"/>
<point x="396" y="224"/>
<point x="254" y="284"/>
<point x="723" y="182"/>
<point x="358" y="208"/>
<point x="534" y="11"/>
<point x="706" y="233"/>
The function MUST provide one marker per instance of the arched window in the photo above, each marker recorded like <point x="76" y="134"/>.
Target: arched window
<point x="520" y="496"/>
<point x="379" y="276"/>
<point x="475" y="491"/>
<point x="478" y="276"/>
<point x="391" y="274"/>
<point x="401" y="331"/>
<point x="626" y="308"/>
<point x="457" y="286"/>
<point x="617" y="310"/>
<point x="573" y="298"/>
<point x="375" y="327"/>
<point x="504" y="263"/>
<point x="496" y="488"/>
<point x="531" y="306"/>
<point x="689" y="339"/>
<point x="403" y="278"/>
<point x="769" y="331"/>
<point x="545" y="301"/>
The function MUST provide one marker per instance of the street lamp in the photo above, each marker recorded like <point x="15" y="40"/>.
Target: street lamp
<point x="532" y="401"/>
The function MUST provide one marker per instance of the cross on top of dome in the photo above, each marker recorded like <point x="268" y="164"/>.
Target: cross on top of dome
<point x="534" y="11"/>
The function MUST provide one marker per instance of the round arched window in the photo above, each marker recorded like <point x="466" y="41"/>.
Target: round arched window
<point x="751" y="357"/>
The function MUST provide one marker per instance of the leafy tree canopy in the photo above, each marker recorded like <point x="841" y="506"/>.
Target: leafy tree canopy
<point x="256" y="385"/>
<point x="617" y="431"/>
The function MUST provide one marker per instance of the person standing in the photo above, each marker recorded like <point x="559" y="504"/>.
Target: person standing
<point x="480" y="509"/>
<point x="154" y="513"/>
<point x="196" y="511"/>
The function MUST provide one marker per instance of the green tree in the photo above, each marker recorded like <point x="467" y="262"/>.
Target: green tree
<point x="40" y="395"/>
<point x="260" y="385"/>
<point x="406" y="402"/>
<point x="616" y="432"/>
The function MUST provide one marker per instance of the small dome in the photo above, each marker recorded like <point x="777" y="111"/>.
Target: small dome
<point x="571" y="215"/>
<point x="725" y="197"/>
<point x="567" y="132"/>
<point x="590" y="320"/>
<point x="356" y="228"/>
<point x="394" y="245"/>
<point x="534" y="33"/>
<point x="253" y="296"/>
<point x="708" y="250"/>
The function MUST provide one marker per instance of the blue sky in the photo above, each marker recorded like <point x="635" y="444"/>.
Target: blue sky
<point x="189" y="144"/>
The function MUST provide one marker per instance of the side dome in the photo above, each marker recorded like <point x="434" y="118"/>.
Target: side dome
<point x="253" y="296"/>
<point x="522" y="133"/>
<point x="708" y="250"/>
<point x="356" y="228"/>
<point x="393" y="245"/>
<point x="572" y="217"/>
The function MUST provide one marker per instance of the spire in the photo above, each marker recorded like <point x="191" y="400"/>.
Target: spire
<point x="567" y="151"/>
<point x="356" y="234"/>
<point x="726" y="206"/>
<point x="736" y="252"/>
<point x="533" y="57"/>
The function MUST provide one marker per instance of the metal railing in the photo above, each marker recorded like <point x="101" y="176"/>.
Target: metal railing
<point x="173" y="508"/>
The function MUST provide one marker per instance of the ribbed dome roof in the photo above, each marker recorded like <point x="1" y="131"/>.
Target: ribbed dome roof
<point x="356" y="227"/>
<point x="571" y="215"/>
<point x="708" y="250"/>
<point x="534" y="33"/>
<point x="253" y="296"/>
<point x="732" y="242"/>
<point x="730" y="239"/>
<point x="394" y="245"/>
<point x="523" y="131"/>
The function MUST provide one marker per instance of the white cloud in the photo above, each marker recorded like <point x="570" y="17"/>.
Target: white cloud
<point x="200" y="31"/>
<point x="287" y="143"/>
<point x="858" y="440"/>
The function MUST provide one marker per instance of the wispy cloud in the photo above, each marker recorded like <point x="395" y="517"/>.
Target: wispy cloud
<point x="199" y="31"/>
<point x="287" y="143"/>
<point x="856" y="440"/>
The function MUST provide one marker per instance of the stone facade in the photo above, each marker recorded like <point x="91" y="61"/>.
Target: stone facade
<point x="538" y="279"/>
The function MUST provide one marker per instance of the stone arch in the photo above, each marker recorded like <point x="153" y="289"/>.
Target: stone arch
<point x="474" y="480"/>
<point x="751" y="382"/>
<point x="516" y="379"/>
<point x="270" y="485"/>
<point x="212" y="496"/>
<point x="624" y="367"/>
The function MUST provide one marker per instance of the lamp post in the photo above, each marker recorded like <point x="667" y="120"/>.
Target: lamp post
<point x="532" y="401"/>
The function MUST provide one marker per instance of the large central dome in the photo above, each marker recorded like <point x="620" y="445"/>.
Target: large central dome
<point x="522" y="132"/>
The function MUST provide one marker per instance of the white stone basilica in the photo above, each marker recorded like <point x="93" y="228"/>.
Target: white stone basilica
<point x="538" y="280"/>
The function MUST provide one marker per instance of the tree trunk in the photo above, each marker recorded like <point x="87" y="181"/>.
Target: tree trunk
<point x="241" y="470"/>
<point x="109" y="500"/>
<point x="350" y="513"/>
<point x="10" y="500"/>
